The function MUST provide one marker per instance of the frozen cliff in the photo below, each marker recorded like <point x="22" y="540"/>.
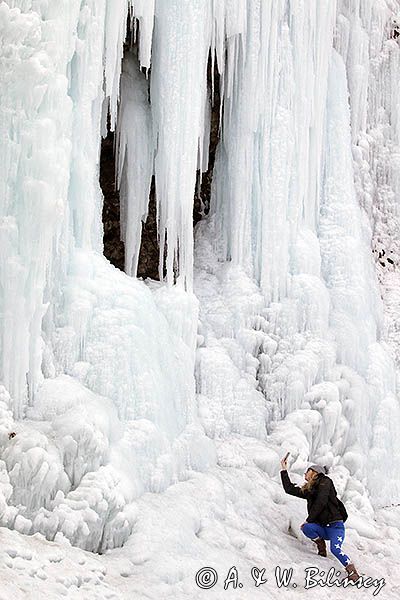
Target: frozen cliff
<point x="150" y="416"/>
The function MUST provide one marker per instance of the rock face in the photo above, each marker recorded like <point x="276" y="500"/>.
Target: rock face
<point x="203" y="195"/>
<point x="113" y="246"/>
<point x="150" y="248"/>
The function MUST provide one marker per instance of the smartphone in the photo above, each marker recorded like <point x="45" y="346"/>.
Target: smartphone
<point x="287" y="454"/>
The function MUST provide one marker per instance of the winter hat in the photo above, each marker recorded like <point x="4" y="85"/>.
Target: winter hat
<point x="318" y="469"/>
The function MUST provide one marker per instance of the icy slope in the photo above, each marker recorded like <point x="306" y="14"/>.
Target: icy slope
<point x="228" y="517"/>
<point x="122" y="422"/>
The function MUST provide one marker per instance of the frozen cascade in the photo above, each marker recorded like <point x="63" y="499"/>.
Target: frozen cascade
<point x="99" y="370"/>
<point x="315" y="340"/>
<point x="62" y="299"/>
<point x="59" y="50"/>
<point x="264" y="190"/>
<point x="374" y="72"/>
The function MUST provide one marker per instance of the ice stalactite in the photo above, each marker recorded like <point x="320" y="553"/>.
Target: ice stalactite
<point x="115" y="32"/>
<point x="180" y="134"/>
<point x="181" y="43"/>
<point x="135" y="158"/>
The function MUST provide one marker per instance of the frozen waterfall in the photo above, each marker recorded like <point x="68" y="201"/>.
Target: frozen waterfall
<point x="275" y="326"/>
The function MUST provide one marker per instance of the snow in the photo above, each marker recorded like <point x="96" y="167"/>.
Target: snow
<point x="150" y="417"/>
<point x="216" y="522"/>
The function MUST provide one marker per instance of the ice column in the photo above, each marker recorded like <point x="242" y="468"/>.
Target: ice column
<point x="182" y="36"/>
<point x="268" y="166"/>
<point x="35" y="158"/>
<point x="135" y="158"/>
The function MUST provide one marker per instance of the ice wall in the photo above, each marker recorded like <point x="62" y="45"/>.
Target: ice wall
<point x="268" y="167"/>
<point x="97" y="375"/>
<point x="52" y="199"/>
<point x="292" y="328"/>
<point x="374" y="74"/>
<point x="286" y="213"/>
<point x="36" y="155"/>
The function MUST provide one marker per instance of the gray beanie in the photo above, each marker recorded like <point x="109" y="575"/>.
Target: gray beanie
<point x="318" y="468"/>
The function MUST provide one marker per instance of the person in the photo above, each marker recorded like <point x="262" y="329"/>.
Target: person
<point x="325" y="518"/>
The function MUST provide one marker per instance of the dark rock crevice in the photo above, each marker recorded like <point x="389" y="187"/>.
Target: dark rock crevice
<point x="114" y="248"/>
<point x="202" y="199"/>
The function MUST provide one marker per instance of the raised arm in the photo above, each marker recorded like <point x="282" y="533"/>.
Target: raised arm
<point x="289" y="487"/>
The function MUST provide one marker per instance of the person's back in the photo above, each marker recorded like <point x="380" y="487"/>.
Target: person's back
<point x="322" y="501"/>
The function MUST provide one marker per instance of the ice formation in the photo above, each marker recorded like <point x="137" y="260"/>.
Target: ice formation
<point x="286" y="213"/>
<point x="275" y="328"/>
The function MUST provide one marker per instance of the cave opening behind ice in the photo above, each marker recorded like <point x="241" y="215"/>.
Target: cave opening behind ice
<point x="115" y="223"/>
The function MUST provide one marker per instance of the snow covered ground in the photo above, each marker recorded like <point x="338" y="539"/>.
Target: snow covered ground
<point x="232" y="516"/>
<point x="150" y="417"/>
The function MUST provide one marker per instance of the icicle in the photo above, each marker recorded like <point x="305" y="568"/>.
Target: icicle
<point x="116" y="23"/>
<point x="181" y="44"/>
<point x="116" y="20"/>
<point x="134" y="159"/>
<point x="144" y="11"/>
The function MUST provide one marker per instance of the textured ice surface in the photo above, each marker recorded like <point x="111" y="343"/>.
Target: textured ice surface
<point x="285" y="211"/>
<point x="116" y="420"/>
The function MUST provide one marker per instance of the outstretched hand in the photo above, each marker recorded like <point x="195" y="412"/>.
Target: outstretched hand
<point x="284" y="464"/>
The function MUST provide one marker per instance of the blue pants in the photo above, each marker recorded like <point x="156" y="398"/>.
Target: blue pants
<point x="334" y="532"/>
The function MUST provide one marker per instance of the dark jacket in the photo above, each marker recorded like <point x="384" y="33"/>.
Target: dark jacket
<point x="322" y="501"/>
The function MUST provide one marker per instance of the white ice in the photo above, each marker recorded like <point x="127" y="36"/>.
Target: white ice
<point x="150" y="416"/>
